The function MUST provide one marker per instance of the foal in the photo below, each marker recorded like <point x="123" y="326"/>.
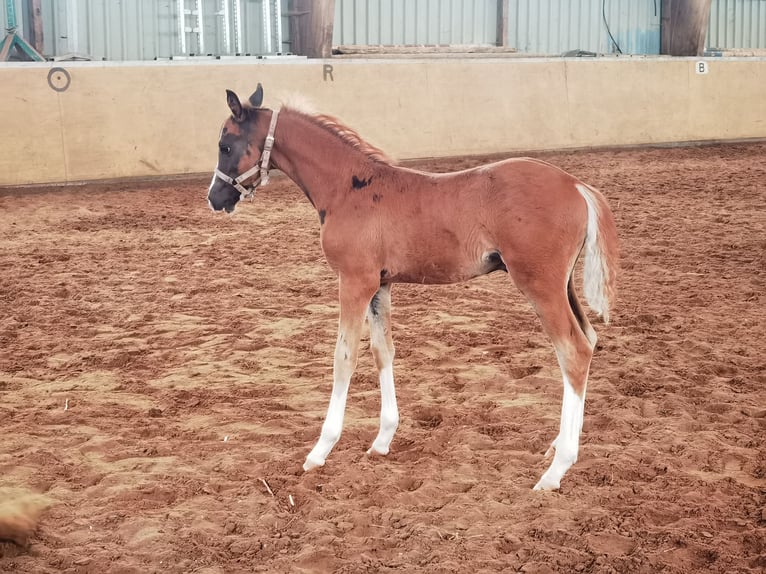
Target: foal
<point x="382" y="224"/>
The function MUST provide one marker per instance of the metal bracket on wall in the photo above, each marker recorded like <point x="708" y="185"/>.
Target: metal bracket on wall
<point x="14" y="40"/>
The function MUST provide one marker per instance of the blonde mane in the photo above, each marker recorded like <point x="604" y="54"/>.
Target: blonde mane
<point x="346" y="134"/>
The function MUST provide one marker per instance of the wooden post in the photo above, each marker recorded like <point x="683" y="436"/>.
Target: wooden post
<point x="502" y="23"/>
<point x="312" y="32"/>
<point x="684" y="27"/>
<point x="35" y="9"/>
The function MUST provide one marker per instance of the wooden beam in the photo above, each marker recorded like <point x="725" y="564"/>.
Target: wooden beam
<point x="313" y="27"/>
<point x="35" y="9"/>
<point x="502" y="23"/>
<point x="401" y="50"/>
<point x="684" y="27"/>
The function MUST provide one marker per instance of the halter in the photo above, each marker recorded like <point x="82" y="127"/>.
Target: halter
<point x="246" y="192"/>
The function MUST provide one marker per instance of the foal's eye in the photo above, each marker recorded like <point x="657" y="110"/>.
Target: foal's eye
<point x="225" y="149"/>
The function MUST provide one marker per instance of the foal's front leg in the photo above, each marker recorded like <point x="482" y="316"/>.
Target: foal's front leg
<point x="382" y="344"/>
<point x="354" y="299"/>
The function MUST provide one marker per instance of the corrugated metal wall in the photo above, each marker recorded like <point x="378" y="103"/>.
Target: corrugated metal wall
<point x="559" y="26"/>
<point x="737" y="24"/>
<point x="534" y="26"/>
<point x="415" y="22"/>
<point x="148" y="29"/>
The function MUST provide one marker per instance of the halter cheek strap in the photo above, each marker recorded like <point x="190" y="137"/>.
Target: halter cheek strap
<point x="248" y="191"/>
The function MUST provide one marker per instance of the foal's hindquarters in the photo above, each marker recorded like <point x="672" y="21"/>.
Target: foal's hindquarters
<point x="552" y="223"/>
<point x="538" y="220"/>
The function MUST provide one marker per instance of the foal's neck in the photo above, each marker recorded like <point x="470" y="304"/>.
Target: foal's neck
<point x="316" y="158"/>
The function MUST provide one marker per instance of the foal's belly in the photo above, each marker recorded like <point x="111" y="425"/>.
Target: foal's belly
<point x="443" y="270"/>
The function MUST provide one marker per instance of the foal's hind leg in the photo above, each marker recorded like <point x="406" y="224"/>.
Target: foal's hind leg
<point x="382" y="344"/>
<point x="574" y="350"/>
<point x="354" y="298"/>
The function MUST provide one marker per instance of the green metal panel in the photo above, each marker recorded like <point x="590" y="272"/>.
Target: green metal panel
<point x="10" y="14"/>
<point x="13" y="44"/>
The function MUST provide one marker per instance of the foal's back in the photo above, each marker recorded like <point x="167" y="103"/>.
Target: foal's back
<point x="445" y="228"/>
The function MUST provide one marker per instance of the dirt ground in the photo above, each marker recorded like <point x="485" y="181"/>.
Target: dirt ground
<point x="164" y="371"/>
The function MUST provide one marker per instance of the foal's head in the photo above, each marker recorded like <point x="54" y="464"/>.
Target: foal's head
<point x="240" y="146"/>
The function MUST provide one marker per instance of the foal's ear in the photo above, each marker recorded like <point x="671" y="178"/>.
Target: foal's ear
<point x="237" y="112"/>
<point x="257" y="98"/>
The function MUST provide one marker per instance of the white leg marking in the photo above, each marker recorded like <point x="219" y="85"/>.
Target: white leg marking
<point x="567" y="442"/>
<point x="333" y="424"/>
<point x="379" y="317"/>
<point x="389" y="412"/>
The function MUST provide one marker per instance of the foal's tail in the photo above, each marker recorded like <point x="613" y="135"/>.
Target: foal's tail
<point x="601" y="253"/>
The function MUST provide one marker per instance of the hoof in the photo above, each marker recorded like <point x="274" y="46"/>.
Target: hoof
<point x="547" y="483"/>
<point x="312" y="463"/>
<point x="377" y="451"/>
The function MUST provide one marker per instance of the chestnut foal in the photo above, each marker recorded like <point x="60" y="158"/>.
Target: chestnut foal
<point x="382" y="224"/>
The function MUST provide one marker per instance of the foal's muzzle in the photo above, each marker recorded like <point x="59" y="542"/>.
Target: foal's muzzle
<point x="221" y="196"/>
<point x="225" y="191"/>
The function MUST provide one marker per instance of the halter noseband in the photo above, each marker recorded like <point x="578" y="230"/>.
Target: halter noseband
<point x="246" y="192"/>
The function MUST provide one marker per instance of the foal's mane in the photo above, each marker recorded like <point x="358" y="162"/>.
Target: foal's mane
<point x="346" y="134"/>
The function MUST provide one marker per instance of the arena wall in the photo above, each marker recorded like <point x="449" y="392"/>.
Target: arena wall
<point x="75" y="121"/>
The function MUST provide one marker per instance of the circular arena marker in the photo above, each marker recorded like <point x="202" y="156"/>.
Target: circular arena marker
<point x="59" y="79"/>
